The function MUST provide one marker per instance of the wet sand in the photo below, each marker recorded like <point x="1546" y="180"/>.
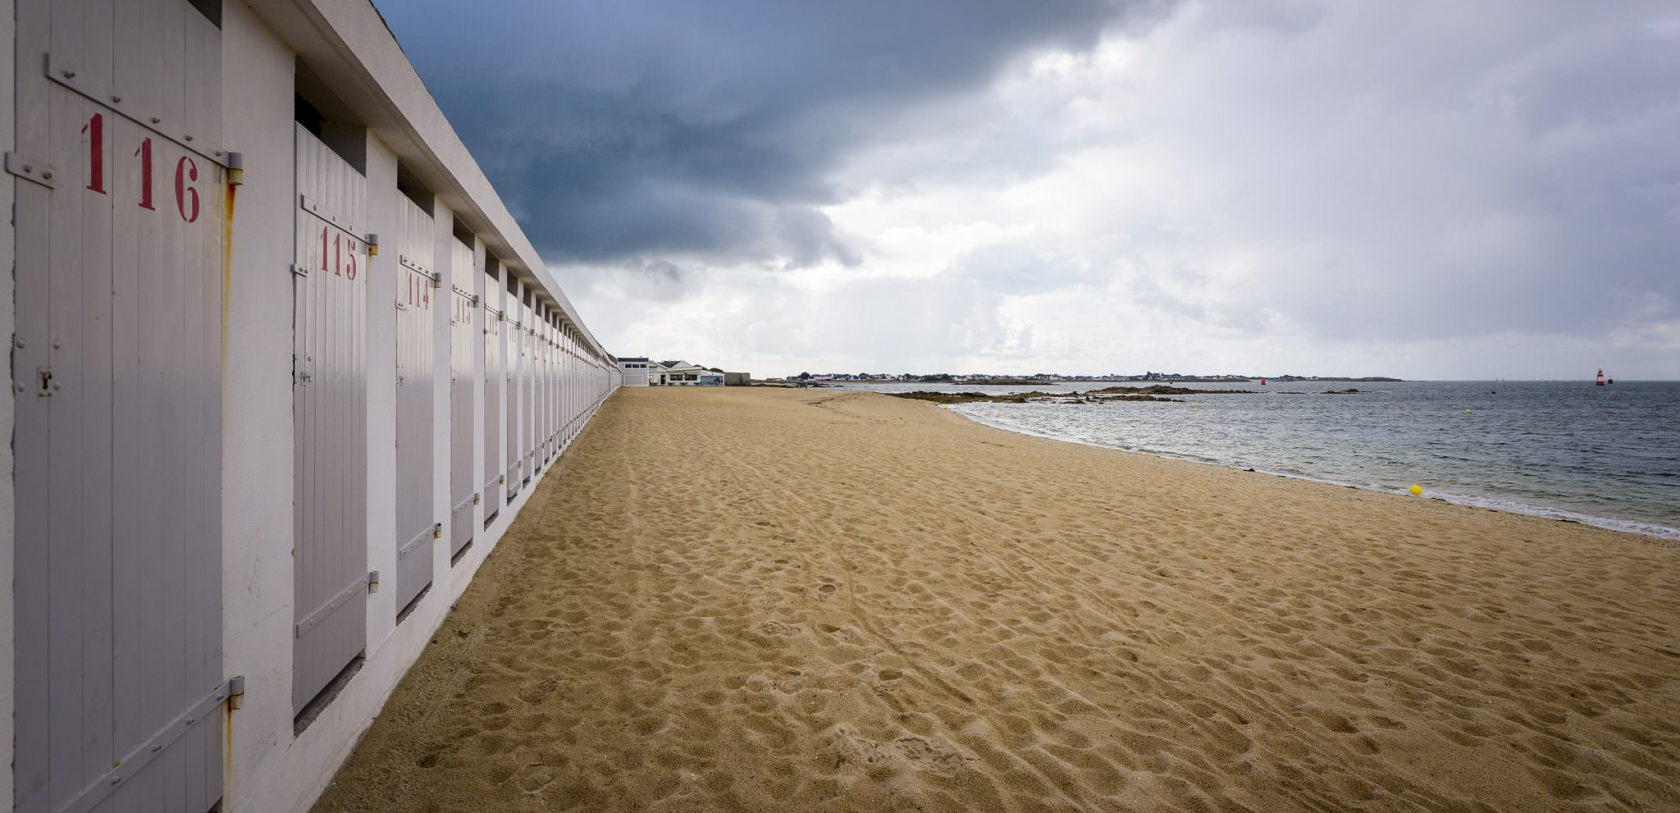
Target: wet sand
<point x="751" y="599"/>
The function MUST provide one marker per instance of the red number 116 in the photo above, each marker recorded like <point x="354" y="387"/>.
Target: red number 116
<point x="186" y="171"/>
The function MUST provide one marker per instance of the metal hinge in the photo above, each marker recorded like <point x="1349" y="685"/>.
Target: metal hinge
<point x="29" y="169"/>
<point x="298" y="270"/>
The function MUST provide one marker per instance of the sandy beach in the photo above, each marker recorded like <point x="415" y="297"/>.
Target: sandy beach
<point x="759" y="599"/>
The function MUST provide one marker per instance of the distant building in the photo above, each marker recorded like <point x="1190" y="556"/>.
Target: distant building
<point x="682" y="374"/>
<point x="635" y="371"/>
<point x="677" y="373"/>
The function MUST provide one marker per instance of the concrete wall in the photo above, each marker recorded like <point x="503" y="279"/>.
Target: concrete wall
<point x="346" y="43"/>
<point x="257" y="412"/>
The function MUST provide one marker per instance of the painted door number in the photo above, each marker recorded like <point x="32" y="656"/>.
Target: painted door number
<point x="186" y="171"/>
<point x="343" y="251"/>
<point x="418" y="291"/>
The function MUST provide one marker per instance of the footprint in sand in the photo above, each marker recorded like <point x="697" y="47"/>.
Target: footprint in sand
<point x="846" y="634"/>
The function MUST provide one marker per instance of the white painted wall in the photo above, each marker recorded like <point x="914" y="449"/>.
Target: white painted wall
<point x="257" y="398"/>
<point x="443" y="233"/>
<point x="382" y="389"/>
<point x="474" y="279"/>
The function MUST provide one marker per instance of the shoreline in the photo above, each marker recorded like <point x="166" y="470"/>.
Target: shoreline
<point x="1652" y="534"/>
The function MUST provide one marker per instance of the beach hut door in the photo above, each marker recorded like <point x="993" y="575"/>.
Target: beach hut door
<point x="329" y="414"/>
<point x="463" y="325"/>
<point x="513" y="368"/>
<point x="416" y="298"/>
<point x="119" y="183"/>
<point x="493" y="382"/>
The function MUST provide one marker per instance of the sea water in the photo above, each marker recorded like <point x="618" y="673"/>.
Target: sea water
<point x="1607" y="456"/>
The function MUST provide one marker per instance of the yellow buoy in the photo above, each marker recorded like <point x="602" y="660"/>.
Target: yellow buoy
<point x="1417" y="489"/>
<point x="1466" y="411"/>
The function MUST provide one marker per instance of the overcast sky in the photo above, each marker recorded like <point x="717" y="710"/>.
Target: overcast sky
<point x="1419" y="189"/>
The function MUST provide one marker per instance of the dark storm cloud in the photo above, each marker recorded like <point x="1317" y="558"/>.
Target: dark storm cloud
<point x="635" y="129"/>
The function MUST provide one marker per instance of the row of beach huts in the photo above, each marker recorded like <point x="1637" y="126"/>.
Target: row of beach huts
<point x="284" y="370"/>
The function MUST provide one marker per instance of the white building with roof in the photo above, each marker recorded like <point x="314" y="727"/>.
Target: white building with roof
<point x="684" y="374"/>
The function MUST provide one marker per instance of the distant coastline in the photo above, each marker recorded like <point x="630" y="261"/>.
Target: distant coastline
<point x="808" y="379"/>
<point x="1181" y="379"/>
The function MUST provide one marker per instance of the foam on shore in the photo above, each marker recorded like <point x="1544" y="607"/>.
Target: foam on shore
<point x="1660" y="532"/>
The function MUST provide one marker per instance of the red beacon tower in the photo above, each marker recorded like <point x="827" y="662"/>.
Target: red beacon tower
<point x="1600" y="381"/>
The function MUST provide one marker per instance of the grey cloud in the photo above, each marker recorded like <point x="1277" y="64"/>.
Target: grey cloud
<point x="808" y="236"/>
<point x="636" y="280"/>
<point x="654" y="126"/>
<point x="1010" y="268"/>
<point x="663" y="271"/>
<point x="1454" y="176"/>
<point x="910" y="324"/>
